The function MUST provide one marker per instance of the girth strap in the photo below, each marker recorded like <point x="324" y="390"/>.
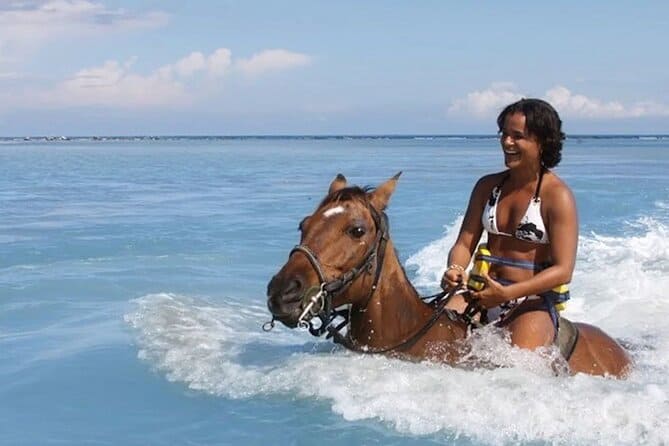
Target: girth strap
<point x="567" y="338"/>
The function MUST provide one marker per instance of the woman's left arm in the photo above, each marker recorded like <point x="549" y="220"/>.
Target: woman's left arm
<point x="563" y="235"/>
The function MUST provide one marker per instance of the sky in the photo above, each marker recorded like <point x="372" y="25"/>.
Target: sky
<point x="248" y="67"/>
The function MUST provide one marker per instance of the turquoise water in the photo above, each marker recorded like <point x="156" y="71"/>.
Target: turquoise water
<point x="132" y="291"/>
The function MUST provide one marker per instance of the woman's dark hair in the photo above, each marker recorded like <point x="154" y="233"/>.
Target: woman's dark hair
<point x="542" y="121"/>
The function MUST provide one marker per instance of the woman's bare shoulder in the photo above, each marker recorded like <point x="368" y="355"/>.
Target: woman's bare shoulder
<point x="556" y="190"/>
<point x="487" y="182"/>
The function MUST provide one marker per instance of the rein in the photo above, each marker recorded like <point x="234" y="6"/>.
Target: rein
<point x="442" y="299"/>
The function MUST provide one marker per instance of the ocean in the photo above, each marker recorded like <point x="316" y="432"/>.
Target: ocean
<point x="133" y="274"/>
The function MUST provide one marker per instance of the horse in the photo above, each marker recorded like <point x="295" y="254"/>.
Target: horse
<point x="346" y="259"/>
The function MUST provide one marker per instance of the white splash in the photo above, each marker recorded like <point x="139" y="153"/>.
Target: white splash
<point x="334" y="211"/>
<point x="431" y="261"/>
<point x="218" y="348"/>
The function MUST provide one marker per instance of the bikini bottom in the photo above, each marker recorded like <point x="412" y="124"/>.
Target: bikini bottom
<point x="502" y="314"/>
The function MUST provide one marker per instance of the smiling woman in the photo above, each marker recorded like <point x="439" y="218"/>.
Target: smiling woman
<point x="530" y="216"/>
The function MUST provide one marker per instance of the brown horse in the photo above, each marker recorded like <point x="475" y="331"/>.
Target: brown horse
<point x="346" y="258"/>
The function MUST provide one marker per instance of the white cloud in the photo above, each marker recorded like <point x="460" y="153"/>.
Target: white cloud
<point x="571" y="104"/>
<point x="25" y="25"/>
<point x="10" y="75"/>
<point x="219" y="62"/>
<point x="271" y="60"/>
<point x="190" y="64"/>
<point x="486" y="102"/>
<point x="44" y="16"/>
<point x="215" y="65"/>
<point x="114" y="84"/>
<point x="649" y="108"/>
<point x="489" y="102"/>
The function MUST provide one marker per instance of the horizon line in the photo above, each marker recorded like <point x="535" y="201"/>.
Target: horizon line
<point x="312" y="135"/>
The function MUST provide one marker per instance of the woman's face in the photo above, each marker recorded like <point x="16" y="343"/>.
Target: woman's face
<point x="520" y="148"/>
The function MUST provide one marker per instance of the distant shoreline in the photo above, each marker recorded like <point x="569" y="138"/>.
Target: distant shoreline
<point x="641" y="136"/>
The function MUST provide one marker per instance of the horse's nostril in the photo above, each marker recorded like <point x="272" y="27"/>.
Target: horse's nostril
<point x="285" y="290"/>
<point x="294" y="286"/>
<point x="293" y="291"/>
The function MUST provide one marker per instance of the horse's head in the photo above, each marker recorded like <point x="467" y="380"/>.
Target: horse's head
<point x="339" y="243"/>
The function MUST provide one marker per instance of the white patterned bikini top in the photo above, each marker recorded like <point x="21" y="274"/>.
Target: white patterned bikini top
<point x="531" y="227"/>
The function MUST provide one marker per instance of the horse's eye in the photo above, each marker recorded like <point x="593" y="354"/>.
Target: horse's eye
<point x="356" y="231"/>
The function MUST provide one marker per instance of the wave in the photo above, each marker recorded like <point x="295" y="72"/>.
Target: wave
<point x="661" y="205"/>
<point x="219" y="349"/>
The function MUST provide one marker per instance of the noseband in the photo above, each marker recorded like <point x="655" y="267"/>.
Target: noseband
<point x="327" y="290"/>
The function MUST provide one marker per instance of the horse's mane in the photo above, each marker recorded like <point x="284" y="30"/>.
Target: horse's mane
<point x="356" y="193"/>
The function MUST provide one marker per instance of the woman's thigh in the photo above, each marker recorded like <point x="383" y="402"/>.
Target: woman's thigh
<point x="531" y="329"/>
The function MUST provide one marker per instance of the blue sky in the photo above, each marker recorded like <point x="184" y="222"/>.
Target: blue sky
<point x="120" y="67"/>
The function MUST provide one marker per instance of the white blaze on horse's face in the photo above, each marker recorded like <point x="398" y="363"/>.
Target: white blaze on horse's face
<point x="334" y="211"/>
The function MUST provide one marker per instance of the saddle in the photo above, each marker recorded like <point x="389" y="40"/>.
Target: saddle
<point x="567" y="337"/>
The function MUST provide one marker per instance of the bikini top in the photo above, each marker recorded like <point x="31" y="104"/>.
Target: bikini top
<point x="531" y="227"/>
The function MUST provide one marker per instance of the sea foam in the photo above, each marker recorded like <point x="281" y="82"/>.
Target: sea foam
<point x="216" y="346"/>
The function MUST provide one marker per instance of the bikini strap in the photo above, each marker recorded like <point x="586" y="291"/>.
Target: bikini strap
<point x="541" y="177"/>
<point x="501" y="183"/>
<point x="497" y="190"/>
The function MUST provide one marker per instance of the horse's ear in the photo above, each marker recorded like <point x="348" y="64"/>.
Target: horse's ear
<point x="381" y="195"/>
<point x="338" y="183"/>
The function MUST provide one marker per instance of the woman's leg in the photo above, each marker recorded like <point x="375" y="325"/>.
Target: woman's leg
<point x="531" y="326"/>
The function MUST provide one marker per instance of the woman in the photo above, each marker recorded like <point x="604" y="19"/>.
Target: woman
<point x="530" y="216"/>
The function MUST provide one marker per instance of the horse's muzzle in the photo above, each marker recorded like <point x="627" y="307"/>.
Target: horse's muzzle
<point x="284" y="299"/>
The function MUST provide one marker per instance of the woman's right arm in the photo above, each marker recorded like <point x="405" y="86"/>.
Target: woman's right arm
<point x="469" y="236"/>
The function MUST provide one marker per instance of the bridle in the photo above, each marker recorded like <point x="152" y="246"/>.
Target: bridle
<point x="324" y="293"/>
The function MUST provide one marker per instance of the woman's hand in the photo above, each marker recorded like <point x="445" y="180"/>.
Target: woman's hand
<point x="454" y="277"/>
<point x="492" y="295"/>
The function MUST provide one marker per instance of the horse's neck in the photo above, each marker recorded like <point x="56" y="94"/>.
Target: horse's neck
<point x="394" y="312"/>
